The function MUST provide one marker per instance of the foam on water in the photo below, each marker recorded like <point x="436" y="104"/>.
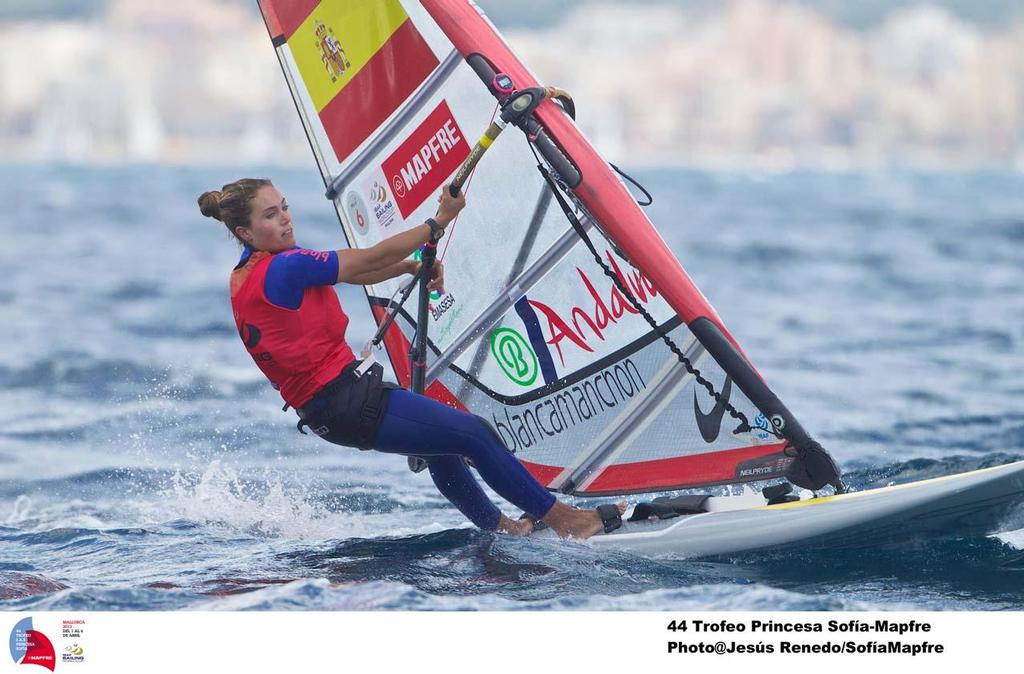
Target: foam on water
<point x="268" y="508"/>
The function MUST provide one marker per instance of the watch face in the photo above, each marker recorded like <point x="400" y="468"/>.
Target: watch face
<point x="503" y="83"/>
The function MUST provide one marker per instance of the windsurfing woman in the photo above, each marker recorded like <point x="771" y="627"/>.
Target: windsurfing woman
<point x="292" y="324"/>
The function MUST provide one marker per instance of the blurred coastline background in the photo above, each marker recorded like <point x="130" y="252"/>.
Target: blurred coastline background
<point x="770" y="84"/>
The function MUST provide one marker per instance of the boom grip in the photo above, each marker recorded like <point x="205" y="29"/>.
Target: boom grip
<point x="470" y="162"/>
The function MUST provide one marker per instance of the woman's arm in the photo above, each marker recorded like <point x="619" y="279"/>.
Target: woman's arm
<point x="397" y="269"/>
<point x="405" y="267"/>
<point x="354" y="264"/>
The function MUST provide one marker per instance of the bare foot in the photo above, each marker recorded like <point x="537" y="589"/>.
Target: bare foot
<point x="569" y="522"/>
<point x="515" y="527"/>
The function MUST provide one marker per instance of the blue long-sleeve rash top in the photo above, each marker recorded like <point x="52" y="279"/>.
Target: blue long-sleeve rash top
<point x="294" y="270"/>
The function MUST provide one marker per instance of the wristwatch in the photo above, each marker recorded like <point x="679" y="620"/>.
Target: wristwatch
<point x="436" y="230"/>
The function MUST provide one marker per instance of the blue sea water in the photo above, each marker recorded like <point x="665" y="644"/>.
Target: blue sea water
<point x="145" y="463"/>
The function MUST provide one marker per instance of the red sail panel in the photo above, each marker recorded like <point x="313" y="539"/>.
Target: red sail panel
<point x="270" y="18"/>
<point x="283" y="17"/>
<point x="685" y="471"/>
<point x="543" y="474"/>
<point x="387" y="79"/>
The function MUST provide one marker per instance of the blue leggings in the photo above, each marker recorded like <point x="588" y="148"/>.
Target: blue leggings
<point x="420" y="426"/>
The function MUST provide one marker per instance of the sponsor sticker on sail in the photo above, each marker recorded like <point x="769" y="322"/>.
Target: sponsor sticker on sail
<point x="428" y="157"/>
<point x="382" y="204"/>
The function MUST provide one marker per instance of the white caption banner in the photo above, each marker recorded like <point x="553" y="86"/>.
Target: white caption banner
<point x="496" y="642"/>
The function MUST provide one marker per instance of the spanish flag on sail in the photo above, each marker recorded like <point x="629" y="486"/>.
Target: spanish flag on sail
<point x="359" y="60"/>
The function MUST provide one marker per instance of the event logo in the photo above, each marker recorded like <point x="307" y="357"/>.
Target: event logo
<point x="331" y="53"/>
<point x="422" y="163"/>
<point x="515" y="356"/>
<point x="73" y="653"/>
<point x="30" y="647"/>
<point x="383" y="207"/>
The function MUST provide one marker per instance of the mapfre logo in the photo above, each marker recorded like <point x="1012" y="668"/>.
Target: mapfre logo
<point x="425" y="159"/>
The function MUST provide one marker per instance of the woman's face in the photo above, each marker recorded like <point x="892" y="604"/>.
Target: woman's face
<point x="270" y="224"/>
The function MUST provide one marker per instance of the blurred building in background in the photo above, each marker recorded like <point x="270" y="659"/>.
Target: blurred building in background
<point x="737" y="83"/>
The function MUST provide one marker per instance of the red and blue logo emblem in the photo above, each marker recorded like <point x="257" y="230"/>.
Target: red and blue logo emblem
<point x="31" y="647"/>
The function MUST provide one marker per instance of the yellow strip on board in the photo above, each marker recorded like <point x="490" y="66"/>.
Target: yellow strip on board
<point x="854" y="494"/>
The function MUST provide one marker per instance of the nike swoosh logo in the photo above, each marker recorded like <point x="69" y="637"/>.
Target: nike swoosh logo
<point x="710" y="424"/>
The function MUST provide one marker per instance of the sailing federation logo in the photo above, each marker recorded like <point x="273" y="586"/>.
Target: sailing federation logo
<point x="30" y="647"/>
<point x="383" y="206"/>
<point x="333" y="56"/>
<point x="422" y="163"/>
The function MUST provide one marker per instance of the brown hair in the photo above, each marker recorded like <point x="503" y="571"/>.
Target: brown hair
<point x="231" y="204"/>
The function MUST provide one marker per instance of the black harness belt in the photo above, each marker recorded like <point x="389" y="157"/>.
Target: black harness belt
<point x="349" y="409"/>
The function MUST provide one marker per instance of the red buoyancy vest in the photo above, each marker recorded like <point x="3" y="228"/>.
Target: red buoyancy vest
<point x="299" y="350"/>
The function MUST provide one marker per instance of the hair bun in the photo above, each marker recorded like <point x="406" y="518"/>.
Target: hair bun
<point x="209" y="205"/>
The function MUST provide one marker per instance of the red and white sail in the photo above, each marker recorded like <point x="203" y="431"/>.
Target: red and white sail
<point x="529" y="333"/>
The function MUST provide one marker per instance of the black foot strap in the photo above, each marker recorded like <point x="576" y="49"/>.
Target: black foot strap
<point x="665" y="507"/>
<point x="611" y="518"/>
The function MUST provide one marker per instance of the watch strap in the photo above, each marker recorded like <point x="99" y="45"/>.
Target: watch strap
<point x="436" y="230"/>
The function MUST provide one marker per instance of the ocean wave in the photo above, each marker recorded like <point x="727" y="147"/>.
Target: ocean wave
<point x="146" y="465"/>
<point x="924" y="468"/>
<point x="19" y="585"/>
<point x="78" y="375"/>
<point x="326" y="595"/>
